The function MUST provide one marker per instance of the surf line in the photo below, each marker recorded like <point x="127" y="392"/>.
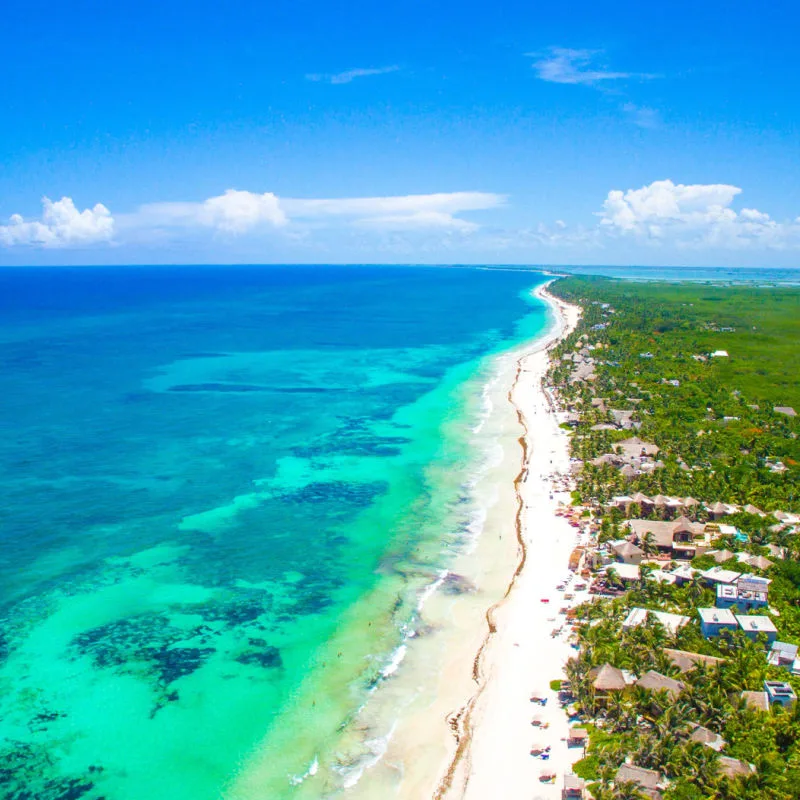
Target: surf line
<point x="460" y="722"/>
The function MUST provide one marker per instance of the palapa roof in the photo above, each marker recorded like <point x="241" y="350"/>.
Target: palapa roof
<point x="731" y="767"/>
<point x="690" y="502"/>
<point x="683" y="523"/>
<point x="776" y="551"/>
<point x="751" y="509"/>
<point x="656" y="682"/>
<point x="760" y="562"/>
<point x="686" y="661"/>
<point x="788" y="410"/>
<point x="721" y="556"/>
<point x="641" y="498"/>
<point x="634" y="446"/>
<point x="663" y="530"/>
<point x="627" y="549"/>
<point x="573" y="782"/>
<point x="707" y="737"/>
<point x="607" y="678"/>
<point x="578" y="733"/>
<point x="646" y="778"/>
<point x="660" y="500"/>
<point x="718" y="508"/>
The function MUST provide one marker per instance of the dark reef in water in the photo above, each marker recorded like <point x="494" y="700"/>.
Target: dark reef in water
<point x="268" y="657"/>
<point x="146" y="641"/>
<point x="26" y="774"/>
<point x="359" y="494"/>
<point x="218" y="387"/>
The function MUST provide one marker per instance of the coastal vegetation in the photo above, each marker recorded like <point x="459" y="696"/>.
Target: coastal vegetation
<point x="682" y="403"/>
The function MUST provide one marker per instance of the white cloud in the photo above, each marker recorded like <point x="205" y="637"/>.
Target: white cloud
<point x="338" y="78"/>
<point x="438" y="206"/>
<point x="61" y="225"/>
<point x="234" y="212"/>
<point x="239" y="212"/>
<point x="566" y="65"/>
<point x="642" y="116"/>
<point x="418" y="220"/>
<point x="693" y="215"/>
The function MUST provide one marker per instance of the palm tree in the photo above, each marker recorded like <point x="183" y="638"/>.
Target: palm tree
<point x="626" y="790"/>
<point x="612" y="577"/>
<point x="648" y="544"/>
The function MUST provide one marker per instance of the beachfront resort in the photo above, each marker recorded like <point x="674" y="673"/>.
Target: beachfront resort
<point x="681" y="607"/>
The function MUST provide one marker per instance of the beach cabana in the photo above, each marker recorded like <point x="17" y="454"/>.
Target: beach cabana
<point x="721" y="556"/>
<point x="574" y="787"/>
<point x="732" y="767"/>
<point x="717" y="510"/>
<point x="707" y="737"/>
<point x="627" y="552"/>
<point x="690" y="503"/>
<point x="656" y="682"/>
<point x="577" y="737"/>
<point x="648" y="781"/>
<point x="686" y="661"/>
<point x="776" y="551"/>
<point x="607" y="680"/>
<point x="760" y="562"/>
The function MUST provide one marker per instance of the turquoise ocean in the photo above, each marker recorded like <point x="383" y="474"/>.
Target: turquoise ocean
<point x="224" y="490"/>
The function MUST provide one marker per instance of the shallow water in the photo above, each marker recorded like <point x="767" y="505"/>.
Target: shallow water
<point x="224" y="489"/>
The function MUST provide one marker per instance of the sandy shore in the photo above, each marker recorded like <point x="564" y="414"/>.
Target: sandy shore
<point x="520" y="655"/>
<point x="461" y="701"/>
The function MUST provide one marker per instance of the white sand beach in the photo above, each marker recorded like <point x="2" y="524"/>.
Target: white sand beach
<point x="461" y="699"/>
<point x="522" y="657"/>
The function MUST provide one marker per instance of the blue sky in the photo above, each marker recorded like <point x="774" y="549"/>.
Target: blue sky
<point x="512" y="132"/>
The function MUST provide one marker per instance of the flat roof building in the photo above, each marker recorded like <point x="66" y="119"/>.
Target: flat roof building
<point x="754" y="625"/>
<point x="713" y="621"/>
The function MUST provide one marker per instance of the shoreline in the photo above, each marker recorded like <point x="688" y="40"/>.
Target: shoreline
<point x="437" y="714"/>
<point x="480" y="726"/>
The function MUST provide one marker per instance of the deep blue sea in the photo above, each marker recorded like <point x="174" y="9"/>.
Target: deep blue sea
<point x="206" y="471"/>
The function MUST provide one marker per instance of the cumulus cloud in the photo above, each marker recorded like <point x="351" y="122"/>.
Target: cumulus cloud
<point x="237" y="211"/>
<point x="350" y="75"/>
<point x="692" y="215"/>
<point x="61" y="225"/>
<point x="566" y="65"/>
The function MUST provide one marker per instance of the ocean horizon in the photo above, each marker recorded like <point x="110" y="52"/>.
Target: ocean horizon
<point x="228" y="492"/>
